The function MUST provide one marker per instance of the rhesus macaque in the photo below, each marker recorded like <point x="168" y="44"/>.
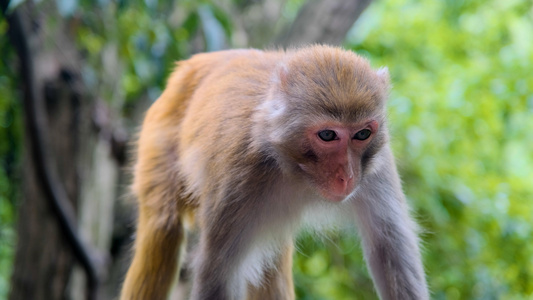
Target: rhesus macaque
<point x="248" y="147"/>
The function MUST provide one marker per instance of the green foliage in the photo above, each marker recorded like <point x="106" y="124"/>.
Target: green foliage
<point x="149" y="37"/>
<point x="331" y="269"/>
<point x="461" y="114"/>
<point x="10" y="152"/>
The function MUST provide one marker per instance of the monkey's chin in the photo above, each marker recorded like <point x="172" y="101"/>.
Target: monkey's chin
<point x="336" y="198"/>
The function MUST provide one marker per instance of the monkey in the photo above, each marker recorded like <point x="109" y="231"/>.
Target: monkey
<point x="247" y="147"/>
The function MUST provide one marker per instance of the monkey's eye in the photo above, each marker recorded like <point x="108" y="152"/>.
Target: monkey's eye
<point x="362" y="134"/>
<point x="327" y="135"/>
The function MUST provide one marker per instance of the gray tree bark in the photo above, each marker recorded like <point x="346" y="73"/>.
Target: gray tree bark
<point x="323" y="22"/>
<point x="61" y="162"/>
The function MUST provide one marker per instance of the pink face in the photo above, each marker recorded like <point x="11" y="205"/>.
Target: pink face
<point x="334" y="156"/>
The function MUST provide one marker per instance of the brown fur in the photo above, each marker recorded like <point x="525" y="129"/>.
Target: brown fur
<point x="231" y="147"/>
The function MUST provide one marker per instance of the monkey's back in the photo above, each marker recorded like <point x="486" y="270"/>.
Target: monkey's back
<point x="200" y="122"/>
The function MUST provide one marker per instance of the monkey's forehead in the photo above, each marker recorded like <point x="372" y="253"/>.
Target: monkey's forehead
<point x="340" y="116"/>
<point x="342" y="103"/>
<point x="338" y="81"/>
<point x="334" y="64"/>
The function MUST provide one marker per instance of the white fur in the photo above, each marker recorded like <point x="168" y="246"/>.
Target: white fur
<point x="286" y="214"/>
<point x="193" y="166"/>
<point x="383" y="74"/>
<point x="275" y="226"/>
<point x="258" y="259"/>
<point x="275" y="108"/>
<point x="270" y="111"/>
<point x="377" y="163"/>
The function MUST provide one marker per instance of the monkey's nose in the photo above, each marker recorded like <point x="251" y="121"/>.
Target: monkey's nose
<point x="344" y="175"/>
<point x="343" y="184"/>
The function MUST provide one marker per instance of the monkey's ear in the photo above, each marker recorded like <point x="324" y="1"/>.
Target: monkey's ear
<point x="383" y="75"/>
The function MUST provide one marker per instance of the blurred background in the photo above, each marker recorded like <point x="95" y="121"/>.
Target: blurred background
<point x="76" y="77"/>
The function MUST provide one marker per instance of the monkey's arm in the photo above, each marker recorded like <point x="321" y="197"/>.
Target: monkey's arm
<point x="224" y="241"/>
<point x="390" y="236"/>
<point x="240" y="254"/>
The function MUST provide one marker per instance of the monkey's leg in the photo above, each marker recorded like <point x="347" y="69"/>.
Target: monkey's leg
<point x="160" y="234"/>
<point x="277" y="282"/>
<point x="390" y="238"/>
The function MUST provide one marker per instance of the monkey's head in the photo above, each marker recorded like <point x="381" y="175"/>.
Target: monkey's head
<point x="326" y="116"/>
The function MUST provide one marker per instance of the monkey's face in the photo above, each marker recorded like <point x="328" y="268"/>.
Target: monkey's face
<point x="332" y="156"/>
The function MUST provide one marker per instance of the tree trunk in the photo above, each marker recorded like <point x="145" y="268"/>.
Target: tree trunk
<point x="323" y="22"/>
<point x="75" y="172"/>
<point x="43" y="260"/>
